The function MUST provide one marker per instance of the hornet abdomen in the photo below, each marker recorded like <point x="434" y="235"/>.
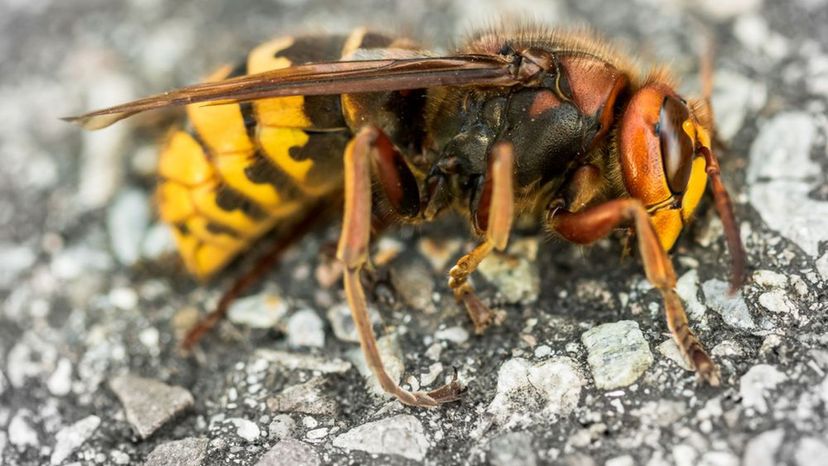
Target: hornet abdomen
<point x="237" y="170"/>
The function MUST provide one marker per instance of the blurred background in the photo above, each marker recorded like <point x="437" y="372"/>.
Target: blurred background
<point x="93" y="300"/>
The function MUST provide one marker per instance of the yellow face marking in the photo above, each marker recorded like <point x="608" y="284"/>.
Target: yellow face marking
<point x="183" y="160"/>
<point x="698" y="172"/>
<point x="695" y="188"/>
<point x="276" y="143"/>
<point x="669" y="222"/>
<point x="699" y="132"/>
<point x="667" y="225"/>
<point x="690" y="129"/>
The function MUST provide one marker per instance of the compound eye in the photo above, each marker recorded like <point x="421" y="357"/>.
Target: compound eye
<point x="676" y="145"/>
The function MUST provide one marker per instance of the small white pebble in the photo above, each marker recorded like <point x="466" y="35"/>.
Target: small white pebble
<point x="305" y="328"/>
<point x="457" y="334"/>
<point x="317" y="434"/>
<point x="60" y="382"/>
<point x="248" y="430"/>
<point x="149" y="337"/>
<point x="542" y="351"/>
<point x="123" y="298"/>
<point x="429" y="377"/>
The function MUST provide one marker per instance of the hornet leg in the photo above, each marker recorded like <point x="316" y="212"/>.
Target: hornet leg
<point x="371" y="146"/>
<point x="596" y="222"/>
<point x="496" y="210"/>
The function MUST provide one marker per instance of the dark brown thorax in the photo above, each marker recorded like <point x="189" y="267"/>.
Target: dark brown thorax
<point x="563" y="110"/>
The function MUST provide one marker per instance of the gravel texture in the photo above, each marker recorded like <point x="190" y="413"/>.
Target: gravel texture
<point x="617" y="354"/>
<point x="580" y="371"/>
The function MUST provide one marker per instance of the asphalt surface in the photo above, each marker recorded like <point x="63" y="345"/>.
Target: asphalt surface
<point x="580" y="372"/>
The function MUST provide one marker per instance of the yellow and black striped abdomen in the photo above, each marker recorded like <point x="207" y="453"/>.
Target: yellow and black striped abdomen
<point x="241" y="168"/>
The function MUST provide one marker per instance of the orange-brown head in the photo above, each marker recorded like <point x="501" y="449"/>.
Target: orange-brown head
<point x="660" y="143"/>
<point x="666" y="155"/>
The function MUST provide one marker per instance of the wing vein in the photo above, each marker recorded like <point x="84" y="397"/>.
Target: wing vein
<point x="324" y="78"/>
